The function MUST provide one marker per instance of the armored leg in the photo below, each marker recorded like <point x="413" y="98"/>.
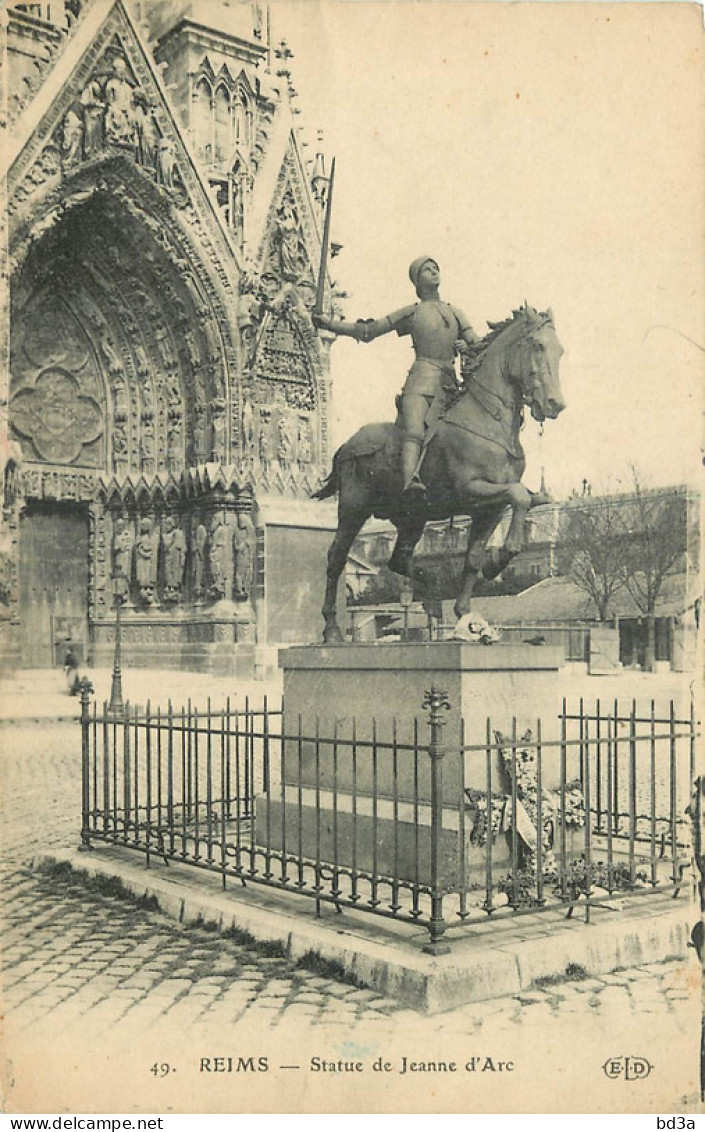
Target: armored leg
<point x="413" y="414"/>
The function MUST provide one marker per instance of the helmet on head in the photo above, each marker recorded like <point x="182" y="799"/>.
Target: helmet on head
<point x="416" y="266"/>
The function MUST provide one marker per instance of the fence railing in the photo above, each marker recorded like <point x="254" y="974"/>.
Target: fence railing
<point x="387" y="818"/>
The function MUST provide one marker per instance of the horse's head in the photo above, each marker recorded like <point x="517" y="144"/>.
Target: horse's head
<point x="533" y="361"/>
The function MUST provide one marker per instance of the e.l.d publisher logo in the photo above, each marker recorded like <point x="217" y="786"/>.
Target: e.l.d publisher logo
<point x="627" y="1068"/>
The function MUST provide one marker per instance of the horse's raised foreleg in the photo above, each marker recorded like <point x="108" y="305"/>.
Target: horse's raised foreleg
<point x="483" y="524"/>
<point x="348" y="528"/>
<point x="409" y="531"/>
<point x="494" y="497"/>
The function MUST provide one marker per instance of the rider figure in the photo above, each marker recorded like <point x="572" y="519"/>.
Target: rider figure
<point x="435" y="327"/>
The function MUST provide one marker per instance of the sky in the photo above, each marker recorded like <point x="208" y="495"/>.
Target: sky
<point x="553" y="153"/>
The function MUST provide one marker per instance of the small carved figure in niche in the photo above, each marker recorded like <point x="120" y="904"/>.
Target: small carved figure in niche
<point x="93" y="112"/>
<point x="72" y="140"/>
<point x="120" y="397"/>
<point x="248" y="429"/>
<point x="305" y="448"/>
<point x="167" y="166"/>
<point x="285" y="446"/>
<point x="248" y="315"/>
<point x="107" y="349"/>
<point x="289" y="242"/>
<point x="194" y="352"/>
<point x="166" y="350"/>
<point x="217" y="556"/>
<point x="119" y="126"/>
<point x="200" y="435"/>
<point x="120" y="445"/>
<point x="123" y="542"/>
<point x="244" y="550"/>
<point x="173" y="444"/>
<point x="218" y="423"/>
<point x="198" y="553"/>
<point x="147" y="445"/>
<point x="266" y="445"/>
<point x="147" y="134"/>
<point x="174" y="550"/>
<point x="146" y="561"/>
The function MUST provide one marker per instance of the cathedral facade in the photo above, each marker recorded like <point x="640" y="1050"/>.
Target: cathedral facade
<point x="166" y="393"/>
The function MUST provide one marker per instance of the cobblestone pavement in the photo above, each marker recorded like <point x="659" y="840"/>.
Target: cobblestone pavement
<point x="79" y="954"/>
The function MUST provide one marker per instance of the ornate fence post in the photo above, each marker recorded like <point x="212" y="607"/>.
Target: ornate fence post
<point x="85" y="688"/>
<point x="437" y="702"/>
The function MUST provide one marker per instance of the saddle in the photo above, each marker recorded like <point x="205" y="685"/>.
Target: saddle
<point x="387" y="436"/>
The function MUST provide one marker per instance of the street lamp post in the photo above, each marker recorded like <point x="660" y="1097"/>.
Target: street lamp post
<point x="120" y="587"/>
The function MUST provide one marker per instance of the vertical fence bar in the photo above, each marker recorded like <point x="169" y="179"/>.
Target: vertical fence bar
<point x="126" y="773"/>
<point x="106" y="775"/>
<point x="93" y="758"/>
<point x="515" y="823"/>
<point x="282" y="790"/>
<point x="189" y="762"/>
<point x="652" y="795"/>
<point x="581" y="747"/>
<point x="160" y="830"/>
<point x="437" y="702"/>
<point x="673" y="791"/>
<point x="209" y="784"/>
<point x="85" y="690"/>
<point x="148" y="789"/>
<point x="632" y="794"/>
<point x="598" y="767"/>
<point x="373" y="901"/>
<point x="335" y="887"/>
<point x="489" y="893"/>
<point x="170" y="815"/>
<point x="616" y="766"/>
<point x="250" y="775"/>
<point x="238" y="798"/>
<point x="561" y="787"/>
<point x="301" y="882"/>
<point x="185" y="772"/>
<point x="416" y="894"/>
<point x="228" y="767"/>
<point x="196" y="795"/>
<point x="539" y="817"/>
<point x="136" y="773"/>
<point x="354" y="891"/>
<point x="318" y="887"/>
<point x="462" y="862"/>
<point x="585" y="746"/>
<point x="114" y="760"/>
<point x="266" y="786"/>
<point x="609" y="811"/>
<point x="224" y="774"/>
<point x="250" y="765"/>
<point x="395" y="905"/>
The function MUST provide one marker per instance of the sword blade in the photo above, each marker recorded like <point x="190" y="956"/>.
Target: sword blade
<point x="325" y="241"/>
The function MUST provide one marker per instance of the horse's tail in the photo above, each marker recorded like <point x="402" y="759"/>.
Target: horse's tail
<point x="331" y="485"/>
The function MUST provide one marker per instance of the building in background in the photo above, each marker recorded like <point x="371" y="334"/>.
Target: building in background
<point x="167" y="394"/>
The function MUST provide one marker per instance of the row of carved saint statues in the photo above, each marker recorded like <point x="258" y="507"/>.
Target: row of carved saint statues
<point x="210" y="558"/>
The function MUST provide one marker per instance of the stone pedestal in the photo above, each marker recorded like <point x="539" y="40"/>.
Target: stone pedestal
<point x="218" y="639"/>
<point x="381" y="688"/>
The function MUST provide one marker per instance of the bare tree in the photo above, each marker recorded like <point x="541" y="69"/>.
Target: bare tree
<point x="655" y="525"/>
<point x="592" y="549"/>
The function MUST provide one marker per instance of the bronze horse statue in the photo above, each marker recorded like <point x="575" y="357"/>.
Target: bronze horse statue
<point x="472" y="464"/>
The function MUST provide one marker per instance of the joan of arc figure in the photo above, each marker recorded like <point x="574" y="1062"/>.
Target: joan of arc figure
<point x="435" y="327"/>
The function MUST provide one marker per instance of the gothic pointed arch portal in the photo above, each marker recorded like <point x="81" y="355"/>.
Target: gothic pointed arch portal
<point x="121" y="374"/>
<point x="112" y="324"/>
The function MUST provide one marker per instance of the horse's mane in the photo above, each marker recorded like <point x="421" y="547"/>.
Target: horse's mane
<point x="473" y="355"/>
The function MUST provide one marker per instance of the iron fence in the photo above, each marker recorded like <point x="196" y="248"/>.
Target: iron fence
<point x="403" y="821"/>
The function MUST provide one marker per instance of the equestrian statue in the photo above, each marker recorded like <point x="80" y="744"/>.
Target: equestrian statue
<point x="454" y="448"/>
